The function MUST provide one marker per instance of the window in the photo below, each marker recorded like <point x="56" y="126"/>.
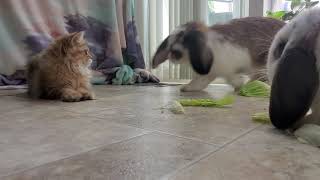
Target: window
<point x="283" y="5"/>
<point x="220" y="11"/>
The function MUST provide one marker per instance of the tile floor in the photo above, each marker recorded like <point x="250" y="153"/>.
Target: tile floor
<point x="125" y="135"/>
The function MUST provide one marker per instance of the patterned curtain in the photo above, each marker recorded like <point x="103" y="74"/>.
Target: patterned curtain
<point x="28" y="26"/>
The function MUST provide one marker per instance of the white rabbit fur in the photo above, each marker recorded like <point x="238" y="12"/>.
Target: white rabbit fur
<point x="230" y="50"/>
<point x="293" y="70"/>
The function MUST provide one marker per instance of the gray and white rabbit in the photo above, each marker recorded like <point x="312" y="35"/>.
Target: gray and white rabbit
<point x="239" y="47"/>
<point x="293" y="70"/>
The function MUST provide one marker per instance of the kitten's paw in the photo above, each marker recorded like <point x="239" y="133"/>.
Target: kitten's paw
<point x="88" y="96"/>
<point x="71" y="96"/>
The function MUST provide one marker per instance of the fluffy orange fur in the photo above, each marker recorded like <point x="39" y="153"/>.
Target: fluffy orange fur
<point x="62" y="70"/>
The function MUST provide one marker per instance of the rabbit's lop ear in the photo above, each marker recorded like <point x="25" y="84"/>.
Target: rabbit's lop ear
<point x="200" y="54"/>
<point x="293" y="88"/>
<point x="162" y="53"/>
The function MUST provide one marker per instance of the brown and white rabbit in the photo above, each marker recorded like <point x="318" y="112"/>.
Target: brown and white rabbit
<point x="239" y="47"/>
<point x="293" y="70"/>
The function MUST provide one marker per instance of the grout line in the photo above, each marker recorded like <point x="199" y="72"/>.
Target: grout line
<point x="241" y="135"/>
<point x="163" y="132"/>
<point x="170" y="175"/>
<point x="75" y="155"/>
<point x="187" y="138"/>
<point x="166" y="177"/>
<point x="181" y="136"/>
<point x="121" y="124"/>
<point x="191" y="163"/>
<point x="177" y="135"/>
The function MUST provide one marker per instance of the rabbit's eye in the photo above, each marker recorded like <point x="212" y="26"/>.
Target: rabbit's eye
<point x="176" y="54"/>
<point x="180" y="35"/>
<point x="279" y="50"/>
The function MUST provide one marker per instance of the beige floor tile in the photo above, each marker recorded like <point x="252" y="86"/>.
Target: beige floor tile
<point x="116" y="127"/>
<point x="29" y="139"/>
<point x="146" y="157"/>
<point x="261" y="155"/>
<point x="212" y="125"/>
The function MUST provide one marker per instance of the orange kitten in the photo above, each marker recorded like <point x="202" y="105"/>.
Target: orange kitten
<point x="62" y="70"/>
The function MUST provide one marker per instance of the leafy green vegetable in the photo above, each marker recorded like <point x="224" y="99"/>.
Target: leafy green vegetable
<point x="297" y="6"/>
<point x="261" y="118"/>
<point x="255" y="89"/>
<point x="277" y="15"/>
<point x="176" y="108"/>
<point x="227" y="100"/>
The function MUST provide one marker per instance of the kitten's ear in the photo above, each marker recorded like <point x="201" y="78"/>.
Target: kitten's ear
<point x="78" y="36"/>
<point x="63" y="48"/>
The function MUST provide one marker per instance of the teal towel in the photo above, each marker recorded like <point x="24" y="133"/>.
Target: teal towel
<point x="124" y="76"/>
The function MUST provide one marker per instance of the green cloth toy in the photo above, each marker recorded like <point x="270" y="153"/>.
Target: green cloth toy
<point x="255" y="89"/>
<point x="124" y="76"/>
<point x="227" y="100"/>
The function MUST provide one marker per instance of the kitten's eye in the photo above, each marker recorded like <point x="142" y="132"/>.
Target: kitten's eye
<point x="87" y="53"/>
